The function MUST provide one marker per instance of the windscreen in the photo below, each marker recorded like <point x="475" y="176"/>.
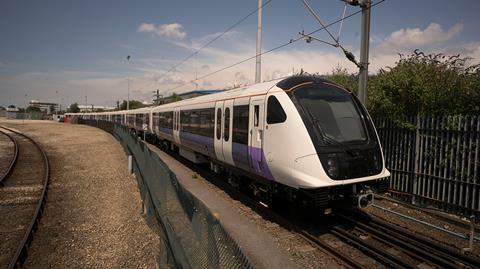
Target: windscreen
<point x="332" y="112"/>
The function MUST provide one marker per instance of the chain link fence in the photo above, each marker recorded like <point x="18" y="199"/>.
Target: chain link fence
<point x="192" y="237"/>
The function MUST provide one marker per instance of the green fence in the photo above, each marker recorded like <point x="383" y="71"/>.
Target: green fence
<point x="191" y="236"/>
<point x="25" y="116"/>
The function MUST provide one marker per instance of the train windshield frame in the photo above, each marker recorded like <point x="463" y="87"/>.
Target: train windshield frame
<point x="332" y="114"/>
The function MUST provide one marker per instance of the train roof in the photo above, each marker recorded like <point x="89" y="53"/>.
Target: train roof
<point x="247" y="91"/>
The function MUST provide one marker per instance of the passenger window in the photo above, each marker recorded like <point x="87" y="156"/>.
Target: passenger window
<point x="256" y="111"/>
<point x="275" y="112"/>
<point x="219" y="123"/>
<point x="226" y="131"/>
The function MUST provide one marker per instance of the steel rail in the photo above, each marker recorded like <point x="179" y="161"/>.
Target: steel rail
<point x="13" y="161"/>
<point x="327" y="248"/>
<point x="424" y="242"/>
<point x="378" y="254"/>
<point x="406" y="244"/>
<point x="431" y="211"/>
<point x="439" y="254"/>
<point x="21" y="252"/>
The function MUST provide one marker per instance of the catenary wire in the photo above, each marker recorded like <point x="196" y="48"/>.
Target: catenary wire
<point x="217" y="37"/>
<point x="273" y="49"/>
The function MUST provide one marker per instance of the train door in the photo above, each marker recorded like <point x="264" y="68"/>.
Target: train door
<point x="256" y="124"/>
<point x="218" y="133"/>
<point x="227" y="131"/>
<point x="176" y="125"/>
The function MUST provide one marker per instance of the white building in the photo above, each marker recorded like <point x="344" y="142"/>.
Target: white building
<point x="90" y="108"/>
<point x="47" y="107"/>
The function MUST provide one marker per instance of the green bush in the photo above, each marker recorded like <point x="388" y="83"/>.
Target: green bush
<point x="419" y="83"/>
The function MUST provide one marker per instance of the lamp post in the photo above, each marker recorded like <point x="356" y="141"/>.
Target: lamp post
<point x="25" y="112"/>
<point x="128" y="86"/>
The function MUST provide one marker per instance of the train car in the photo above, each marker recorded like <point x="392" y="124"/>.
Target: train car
<point x="302" y="137"/>
<point x="138" y="119"/>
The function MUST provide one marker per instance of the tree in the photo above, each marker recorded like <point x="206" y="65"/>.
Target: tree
<point x="341" y="76"/>
<point x="419" y="83"/>
<point x="31" y="109"/>
<point x="427" y="84"/>
<point x="172" y="98"/>
<point x="73" y="108"/>
<point x="175" y="98"/>
<point x="133" y="104"/>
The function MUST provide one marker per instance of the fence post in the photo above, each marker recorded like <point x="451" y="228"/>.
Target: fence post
<point x="130" y="164"/>
<point x="417" y="159"/>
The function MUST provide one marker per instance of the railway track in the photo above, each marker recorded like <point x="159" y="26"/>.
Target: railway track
<point x="397" y="247"/>
<point x="9" y="164"/>
<point x="382" y="243"/>
<point x="22" y="198"/>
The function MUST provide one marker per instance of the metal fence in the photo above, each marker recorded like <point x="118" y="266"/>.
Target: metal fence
<point x="191" y="236"/>
<point x="434" y="159"/>
<point x="25" y="116"/>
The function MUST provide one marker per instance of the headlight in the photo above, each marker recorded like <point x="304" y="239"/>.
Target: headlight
<point x="332" y="167"/>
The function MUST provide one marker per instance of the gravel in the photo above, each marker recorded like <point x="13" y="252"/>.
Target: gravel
<point x="92" y="217"/>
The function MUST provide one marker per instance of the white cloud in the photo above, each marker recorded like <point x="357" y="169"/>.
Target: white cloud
<point x="172" y="30"/>
<point x="412" y="38"/>
<point x="150" y="73"/>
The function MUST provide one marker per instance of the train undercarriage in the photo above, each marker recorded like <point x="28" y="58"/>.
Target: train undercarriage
<point x="274" y="194"/>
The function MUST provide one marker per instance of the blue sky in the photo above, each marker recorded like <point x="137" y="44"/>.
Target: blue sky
<point x="63" y="50"/>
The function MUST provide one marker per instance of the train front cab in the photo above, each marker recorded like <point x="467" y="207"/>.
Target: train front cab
<point x="336" y="154"/>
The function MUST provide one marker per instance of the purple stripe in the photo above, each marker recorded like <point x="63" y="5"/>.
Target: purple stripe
<point x="240" y="156"/>
<point x="259" y="163"/>
<point x="199" y="143"/>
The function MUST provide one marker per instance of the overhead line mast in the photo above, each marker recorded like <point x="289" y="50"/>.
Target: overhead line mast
<point x="364" y="49"/>
<point x="258" y="65"/>
<point x="364" y="44"/>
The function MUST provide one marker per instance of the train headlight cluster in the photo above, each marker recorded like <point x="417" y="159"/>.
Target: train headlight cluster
<point x="332" y="167"/>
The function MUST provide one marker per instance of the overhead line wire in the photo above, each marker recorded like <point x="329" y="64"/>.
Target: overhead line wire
<point x="218" y="36"/>
<point x="275" y="48"/>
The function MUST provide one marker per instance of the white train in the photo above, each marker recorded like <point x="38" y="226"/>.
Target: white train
<point x="300" y="138"/>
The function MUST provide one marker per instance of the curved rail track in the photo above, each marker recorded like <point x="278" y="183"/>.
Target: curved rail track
<point x="382" y="242"/>
<point x="13" y="160"/>
<point x="22" y="199"/>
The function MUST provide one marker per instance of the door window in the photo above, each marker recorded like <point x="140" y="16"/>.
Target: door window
<point x="256" y="111"/>
<point x="219" y="123"/>
<point x="226" y="131"/>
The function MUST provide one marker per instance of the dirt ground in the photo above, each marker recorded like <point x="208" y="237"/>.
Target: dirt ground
<point x="92" y="217"/>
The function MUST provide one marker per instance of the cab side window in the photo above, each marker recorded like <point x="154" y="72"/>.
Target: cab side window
<point x="275" y="112"/>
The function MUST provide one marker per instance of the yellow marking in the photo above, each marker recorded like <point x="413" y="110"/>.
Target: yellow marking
<point x="299" y="85"/>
